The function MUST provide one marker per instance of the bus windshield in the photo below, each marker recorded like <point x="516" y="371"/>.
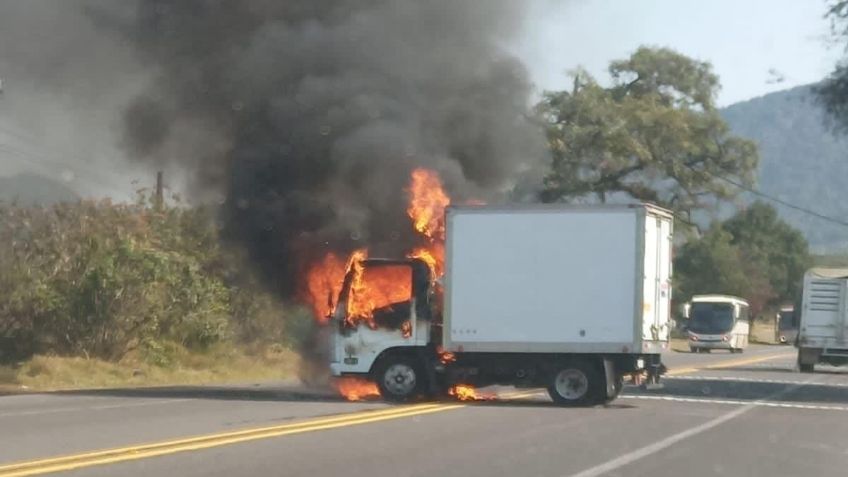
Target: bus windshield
<point x="711" y="318"/>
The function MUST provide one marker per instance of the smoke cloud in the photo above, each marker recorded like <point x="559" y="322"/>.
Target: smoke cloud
<point x="309" y="115"/>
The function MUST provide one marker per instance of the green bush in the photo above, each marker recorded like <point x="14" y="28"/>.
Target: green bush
<point x="97" y="279"/>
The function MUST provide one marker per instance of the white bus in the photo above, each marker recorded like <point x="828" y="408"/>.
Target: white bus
<point x="718" y="322"/>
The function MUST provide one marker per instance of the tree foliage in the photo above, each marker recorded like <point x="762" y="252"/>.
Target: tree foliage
<point x="98" y="279"/>
<point x="753" y="254"/>
<point x="654" y="135"/>
<point x="833" y="91"/>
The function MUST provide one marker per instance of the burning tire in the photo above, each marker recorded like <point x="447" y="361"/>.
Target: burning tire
<point x="399" y="379"/>
<point x="577" y="383"/>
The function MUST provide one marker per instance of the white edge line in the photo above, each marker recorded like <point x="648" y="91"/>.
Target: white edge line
<point x="675" y="438"/>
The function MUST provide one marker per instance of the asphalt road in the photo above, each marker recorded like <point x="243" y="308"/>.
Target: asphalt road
<point x="718" y="414"/>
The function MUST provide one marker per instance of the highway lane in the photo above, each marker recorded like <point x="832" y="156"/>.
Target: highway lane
<point x="720" y="414"/>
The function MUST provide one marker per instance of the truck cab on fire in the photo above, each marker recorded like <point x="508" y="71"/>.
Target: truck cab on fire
<point x="571" y="299"/>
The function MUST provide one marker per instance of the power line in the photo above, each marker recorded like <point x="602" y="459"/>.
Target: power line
<point x="776" y="200"/>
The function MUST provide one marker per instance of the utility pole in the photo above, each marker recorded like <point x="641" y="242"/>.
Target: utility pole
<point x="159" y="200"/>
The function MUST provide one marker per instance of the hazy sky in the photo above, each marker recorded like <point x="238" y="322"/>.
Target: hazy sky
<point x="743" y="39"/>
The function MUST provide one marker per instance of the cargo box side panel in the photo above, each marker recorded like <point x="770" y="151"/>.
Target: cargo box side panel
<point x="543" y="281"/>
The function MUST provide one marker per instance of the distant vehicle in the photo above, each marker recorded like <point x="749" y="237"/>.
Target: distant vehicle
<point x="567" y="298"/>
<point x="718" y="322"/>
<point x="785" y="326"/>
<point x="823" y="332"/>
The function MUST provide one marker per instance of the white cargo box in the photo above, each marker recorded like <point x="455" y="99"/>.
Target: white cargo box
<point x="558" y="279"/>
<point x="824" y="310"/>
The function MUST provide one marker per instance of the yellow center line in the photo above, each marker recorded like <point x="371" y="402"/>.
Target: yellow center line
<point x="109" y="456"/>
<point x="123" y="454"/>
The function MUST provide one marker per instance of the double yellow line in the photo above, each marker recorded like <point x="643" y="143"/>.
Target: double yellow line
<point x="123" y="454"/>
<point x="144" y="451"/>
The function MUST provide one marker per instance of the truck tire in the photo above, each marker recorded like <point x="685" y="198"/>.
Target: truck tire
<point x="619" y="386"/>
<point x="577" y="383"/>
<point x="805" y="367"/>
<point x="399" y="378"/>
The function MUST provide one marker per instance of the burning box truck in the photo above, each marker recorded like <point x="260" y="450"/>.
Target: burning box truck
<point x="572" y="299"/>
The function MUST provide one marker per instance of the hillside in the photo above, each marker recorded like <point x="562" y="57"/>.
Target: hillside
<point x="802" y="162"/>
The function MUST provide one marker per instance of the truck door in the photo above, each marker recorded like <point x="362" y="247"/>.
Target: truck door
<point x="656" y="288"/>
<point x="841" y="320"/>
<point x="664" y="245"/>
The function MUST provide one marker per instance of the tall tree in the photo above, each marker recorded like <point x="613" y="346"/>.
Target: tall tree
<point x="714" y="264"/>
<point x="753" y="254"/>
<point x="760" y="231"/>
<point x="654" y="135"/>
<point x="833" y="91"/>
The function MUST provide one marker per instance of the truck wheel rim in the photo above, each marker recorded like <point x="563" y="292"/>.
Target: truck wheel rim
<point x="400" y="379"/>
<point x="571" y="384"/>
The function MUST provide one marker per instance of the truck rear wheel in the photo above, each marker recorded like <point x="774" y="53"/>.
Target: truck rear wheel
<point x="399" y="379"/>
<point x="577" y="383"/>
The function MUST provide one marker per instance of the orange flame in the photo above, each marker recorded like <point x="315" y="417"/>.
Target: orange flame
<point x="464" y="392"/>
<point x="433" y="256"/>
<point x="376" y="287"/>
<point x="323" y="284"/>
<point x="446" y="357"/>
<point x="427" y="202"/>
<point x="356" y="389"/>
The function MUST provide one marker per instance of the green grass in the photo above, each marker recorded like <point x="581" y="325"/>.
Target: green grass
<point x="219" y="365"/>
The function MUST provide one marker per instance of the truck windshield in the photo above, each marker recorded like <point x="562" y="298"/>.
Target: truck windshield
<point x="711" y="318"/>
<point x="382" y="292"/>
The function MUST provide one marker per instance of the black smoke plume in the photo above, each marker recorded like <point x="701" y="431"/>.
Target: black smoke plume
<point x="310" y="114"/>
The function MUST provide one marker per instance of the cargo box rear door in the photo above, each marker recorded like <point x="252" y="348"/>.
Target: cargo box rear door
<point x="824" y="314"/>
<point x="656" y="288"/>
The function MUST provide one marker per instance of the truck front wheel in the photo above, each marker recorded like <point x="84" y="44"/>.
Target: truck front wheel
<point x="577" y="383"/>
<point x="399" y="379"/>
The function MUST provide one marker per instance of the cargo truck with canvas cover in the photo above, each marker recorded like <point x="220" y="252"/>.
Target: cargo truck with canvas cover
<point x="823" y="332"/>
<point x="569" y="298"/>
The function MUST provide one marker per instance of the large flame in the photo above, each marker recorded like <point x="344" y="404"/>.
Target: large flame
<point x="377" y="287"/>
<point x="372" y="288"/>
<point x="427" y="202"/>
<point x="356" y="389"/>
<point x="323" y="284"/>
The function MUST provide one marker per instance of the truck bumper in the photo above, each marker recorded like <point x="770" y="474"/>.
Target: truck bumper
<point x="710" y="344"/>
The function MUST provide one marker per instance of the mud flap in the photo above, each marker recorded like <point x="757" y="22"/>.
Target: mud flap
<point x="609" y="375"/>
<point x="655" y="370"/>
<point x="809" y="355"/>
